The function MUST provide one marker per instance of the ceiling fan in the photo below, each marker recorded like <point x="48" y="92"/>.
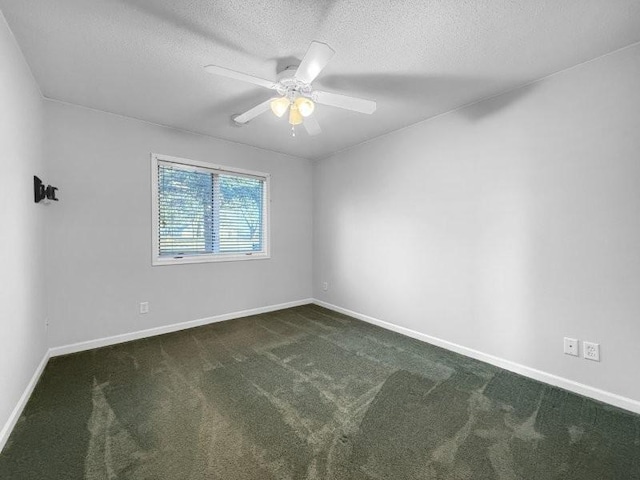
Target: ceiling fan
<point x="295" y="92"/>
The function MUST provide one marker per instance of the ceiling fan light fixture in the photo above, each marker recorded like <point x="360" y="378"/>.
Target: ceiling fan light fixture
<point x="294" y="115"/>
<point x="279" y="106"/>
<point x="305" y="106"/>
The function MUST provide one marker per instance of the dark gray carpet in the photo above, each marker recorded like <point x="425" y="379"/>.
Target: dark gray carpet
<point x="306" y="393"/>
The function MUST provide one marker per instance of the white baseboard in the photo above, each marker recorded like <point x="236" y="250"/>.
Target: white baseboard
<point x="579" y="388"/>
<point x="17" y="411"/>
<point x="152" y="332"/>
<point x="561" y="382"/>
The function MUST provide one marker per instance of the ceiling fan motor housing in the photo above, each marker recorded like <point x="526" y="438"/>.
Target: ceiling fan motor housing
<point x="289" y="86"/>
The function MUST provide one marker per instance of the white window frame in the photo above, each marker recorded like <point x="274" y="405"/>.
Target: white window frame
<point x="158" y="260"/>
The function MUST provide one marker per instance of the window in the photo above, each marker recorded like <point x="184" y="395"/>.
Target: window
<point x="207" y="213"/>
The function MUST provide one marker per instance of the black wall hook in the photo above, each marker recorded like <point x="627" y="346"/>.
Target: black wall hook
<point x="40" y="192"/>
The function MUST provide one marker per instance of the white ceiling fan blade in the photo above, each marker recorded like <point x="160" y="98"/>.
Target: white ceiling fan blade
<point x="253" y="113"/>
<point x="243" y="77"/>
<point x="314" y="61"/>
<point x="343" y="101"/>
<point x="312" y="126"/>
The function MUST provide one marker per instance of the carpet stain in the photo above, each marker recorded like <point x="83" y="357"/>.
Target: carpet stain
<point x="307" y="394"/>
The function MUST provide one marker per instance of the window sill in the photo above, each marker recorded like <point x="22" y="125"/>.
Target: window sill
<point x="158" y="262"/>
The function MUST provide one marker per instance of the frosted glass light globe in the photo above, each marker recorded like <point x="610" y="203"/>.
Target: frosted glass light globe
<point x="279" y="106"/>
<point x="305" y="106"/>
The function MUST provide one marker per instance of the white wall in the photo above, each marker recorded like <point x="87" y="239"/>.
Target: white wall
<point x="22" y="288"/>
<point x="502" y="226"/>
<point x="99" y="235"/>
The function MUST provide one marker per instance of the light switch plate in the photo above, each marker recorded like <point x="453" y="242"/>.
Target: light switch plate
<point x="144" y="307"/>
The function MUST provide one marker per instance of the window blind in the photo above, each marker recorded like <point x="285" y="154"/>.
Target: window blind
<point x="208" y="212"/>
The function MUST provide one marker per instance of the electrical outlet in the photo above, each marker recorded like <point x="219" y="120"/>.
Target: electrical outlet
<point x="571" y="346"/>
<point x="591" y="351"/>
<point x="325" y="286"/>
<point x="144" y="307"/>
<point x="46" y="323"/>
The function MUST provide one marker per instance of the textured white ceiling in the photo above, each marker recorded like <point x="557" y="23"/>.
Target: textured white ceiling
<point x="417" y="58"/>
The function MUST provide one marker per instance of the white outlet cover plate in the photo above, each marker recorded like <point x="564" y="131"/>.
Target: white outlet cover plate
<point x="571" y="346"/>
<point x="591" y="351"/>
<point x="144" y="307"/>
